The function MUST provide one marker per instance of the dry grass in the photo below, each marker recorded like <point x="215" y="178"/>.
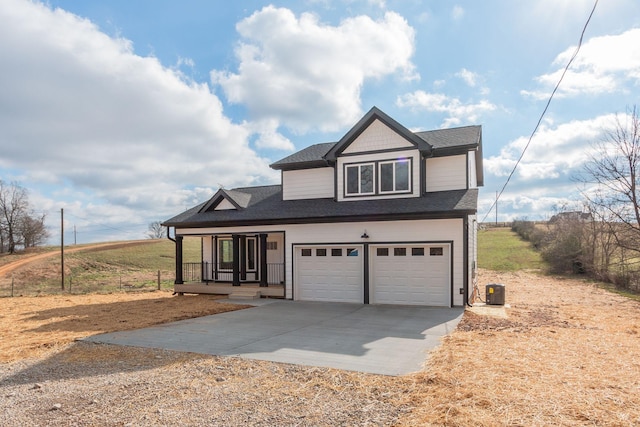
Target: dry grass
<point x="568" y="354"/>
<point x="33" y="326"/>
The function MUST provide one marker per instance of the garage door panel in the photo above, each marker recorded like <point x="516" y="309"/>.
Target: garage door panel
<point x="321" y="276"/>
<point x="416" y="278"/>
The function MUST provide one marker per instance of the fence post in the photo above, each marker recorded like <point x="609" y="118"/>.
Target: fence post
<point x="158" y="279"/>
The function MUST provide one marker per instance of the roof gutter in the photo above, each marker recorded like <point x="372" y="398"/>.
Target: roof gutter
<point x="331" y="219"/>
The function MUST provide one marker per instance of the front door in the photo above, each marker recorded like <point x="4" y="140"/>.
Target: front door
<point x="248" y="258"/>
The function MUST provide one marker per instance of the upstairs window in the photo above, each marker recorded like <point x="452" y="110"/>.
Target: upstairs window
<point x="394" y="176"/>
<point x="360" y="179"/>
<point x="378" y="178"/>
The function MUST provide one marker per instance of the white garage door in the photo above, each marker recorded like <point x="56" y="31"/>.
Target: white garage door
<point x="329" y="273"/>
<point x="410" y="274"/>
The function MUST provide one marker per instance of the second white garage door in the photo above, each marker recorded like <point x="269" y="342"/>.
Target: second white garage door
<point x="329" y="273"/>
<point x="410" y="274"/>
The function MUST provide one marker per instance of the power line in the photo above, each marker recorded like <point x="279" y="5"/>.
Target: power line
<point x="555" y="89"/>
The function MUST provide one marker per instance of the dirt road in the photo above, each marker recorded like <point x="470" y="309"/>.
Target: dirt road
<point x="8" y="268"/>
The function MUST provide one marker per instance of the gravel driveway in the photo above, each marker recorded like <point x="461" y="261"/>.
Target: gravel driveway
<point x="96" y="384"/>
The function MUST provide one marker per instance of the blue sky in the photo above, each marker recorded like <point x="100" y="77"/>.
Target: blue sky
<point x="127" y="112"/>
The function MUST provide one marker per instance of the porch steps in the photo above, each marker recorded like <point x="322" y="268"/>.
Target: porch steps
<point x="246" y="293"/>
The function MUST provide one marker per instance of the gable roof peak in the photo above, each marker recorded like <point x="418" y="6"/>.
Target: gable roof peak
<point x="238" y="199"/>
<point x="375" y="114"/>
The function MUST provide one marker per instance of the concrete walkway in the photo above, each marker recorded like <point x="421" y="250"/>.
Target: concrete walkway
<point x="379" y="339"/>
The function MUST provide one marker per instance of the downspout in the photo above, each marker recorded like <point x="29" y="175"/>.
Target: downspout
<point x="178" y="250"/>
<point x="465" y="257"/>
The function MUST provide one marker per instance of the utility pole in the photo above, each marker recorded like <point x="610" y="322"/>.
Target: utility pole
<point x="62" y="246"/>
<point x="496" y="208"/>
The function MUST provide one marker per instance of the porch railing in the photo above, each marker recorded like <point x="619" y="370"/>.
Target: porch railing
<point x="206" y="272"/>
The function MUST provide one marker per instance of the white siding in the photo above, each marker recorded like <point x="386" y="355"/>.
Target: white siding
<point x="437" y="230"/>
<point x="276" y="256"/>
<point x="473" y="252"/>
<point x="446" y="173"/>
<point x="307" y="184"/>
<point x="473" y="178"/>
<point x="224" y="205"/>
<point x="377" y="136"/>
<point x="207" y="249"/>
<point x="393" y="155"/>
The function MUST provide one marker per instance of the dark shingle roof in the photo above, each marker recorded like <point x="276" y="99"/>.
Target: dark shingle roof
<point x="312" y="156"/>
<point x="443" y="139"/>
<point x="441" y="142"/>
<point x="267" y="207"/>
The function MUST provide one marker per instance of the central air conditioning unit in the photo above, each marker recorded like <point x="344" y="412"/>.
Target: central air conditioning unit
<point x="495" y="294"/>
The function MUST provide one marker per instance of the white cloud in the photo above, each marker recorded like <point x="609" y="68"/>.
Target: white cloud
<point x="457" y="111"/>
<point x="469" y="77"/>
<point x="298" y="71"/>
<point x="80" y="108"/>
<point x="554" y="155"/>
<point x="513" y="205"/>
<point x="604" y="64"/>
<point x="545" y="178"/>
<point x="457" y="13"/>
<point x="268" y="135"/>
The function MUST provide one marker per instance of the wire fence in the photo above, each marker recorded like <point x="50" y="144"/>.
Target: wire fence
<point x="126" y="281"/>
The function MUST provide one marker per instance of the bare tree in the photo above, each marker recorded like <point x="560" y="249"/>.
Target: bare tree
<point x="612" y="179"/>
<point x="14" y="205"/>
<point x="19" y="227"/>
<point x="156" y="230"/>
<point x="33" y="231"/>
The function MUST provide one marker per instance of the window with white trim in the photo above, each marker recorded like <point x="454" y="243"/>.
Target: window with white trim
<point x="360" y="179"/>
<point x="379" y="177"/>
<point x="394" y="176"/>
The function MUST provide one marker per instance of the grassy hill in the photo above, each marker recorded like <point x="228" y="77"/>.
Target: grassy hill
<point x="120" y="267"/>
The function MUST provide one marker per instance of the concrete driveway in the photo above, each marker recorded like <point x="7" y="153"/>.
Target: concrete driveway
<point x="379" y="339"/>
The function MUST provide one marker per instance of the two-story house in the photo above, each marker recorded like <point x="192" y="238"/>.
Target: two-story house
<point x="383" y="216"/>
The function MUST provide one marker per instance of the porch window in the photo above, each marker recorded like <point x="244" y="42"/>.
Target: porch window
<point x="251" y="254"/>
<point x="225" y="254"/>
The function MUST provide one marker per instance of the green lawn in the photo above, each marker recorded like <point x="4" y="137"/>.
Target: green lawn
<point x="501" y="249"/>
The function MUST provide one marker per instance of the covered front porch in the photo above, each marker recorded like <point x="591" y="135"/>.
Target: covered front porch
<point x="231" y="261"/>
